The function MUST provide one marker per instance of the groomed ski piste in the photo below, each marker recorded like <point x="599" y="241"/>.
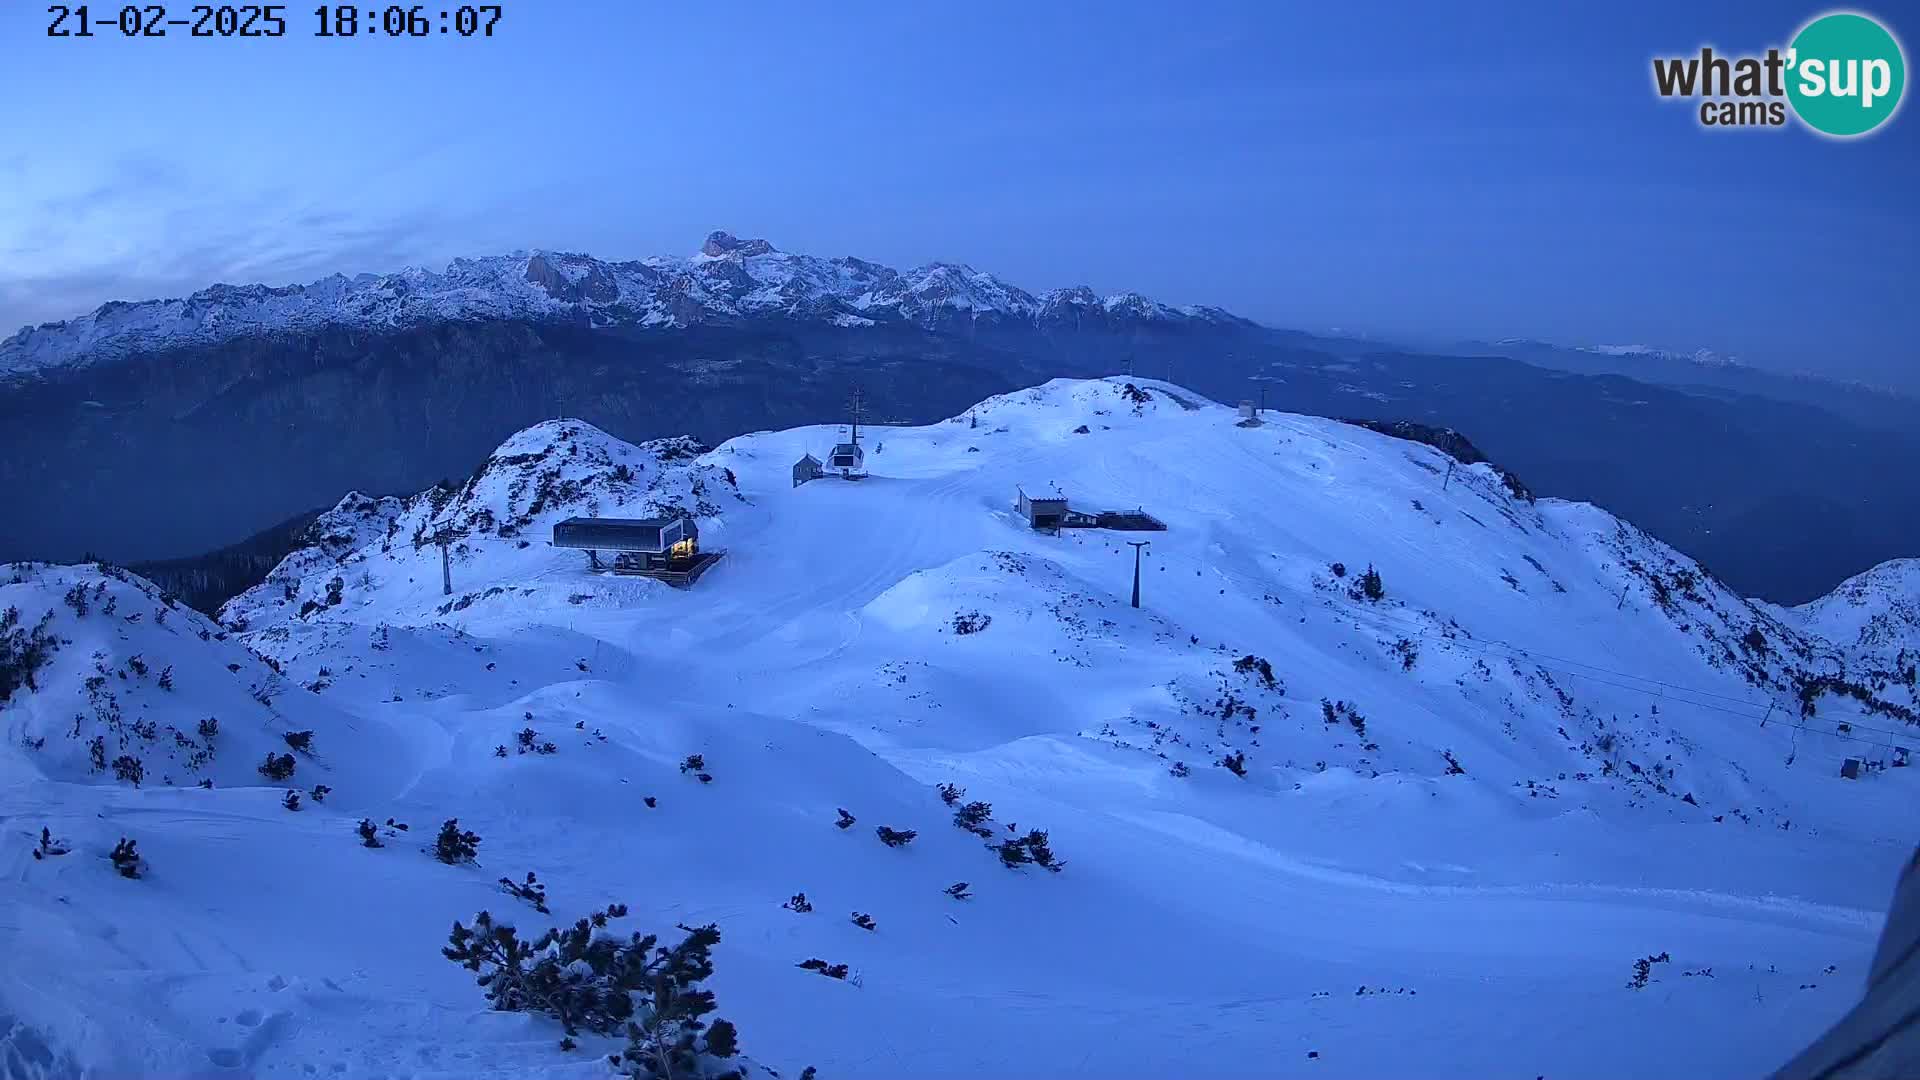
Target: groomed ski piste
<point x="1548" y="748"/>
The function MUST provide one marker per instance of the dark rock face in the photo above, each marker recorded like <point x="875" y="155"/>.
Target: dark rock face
<point x="1449" y="442"/>
<point x="595" y="285"/>
<point x="724" y="243"/>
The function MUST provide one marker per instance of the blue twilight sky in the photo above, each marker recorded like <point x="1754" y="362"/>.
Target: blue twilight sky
<point x="1402" y="169"/>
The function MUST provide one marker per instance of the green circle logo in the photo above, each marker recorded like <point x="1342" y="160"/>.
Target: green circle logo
<point x="1845" y="74"/>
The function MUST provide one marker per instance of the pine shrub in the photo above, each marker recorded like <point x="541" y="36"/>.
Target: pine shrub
<point x="1258" y="667"/>
<point x="590" y="979"/>
<point x="1368" y="586"/>
<point x="1643" y="970"/>
<point x="455" y="845"/>
<point x="531" y="890"/>
<point x="127" y="860"/>
<point x="973" y="818"/>
<point x="1035" y="847"/>
<point x="23" y="652"/>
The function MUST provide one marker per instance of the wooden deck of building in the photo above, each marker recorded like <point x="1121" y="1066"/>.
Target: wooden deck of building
<point x="677" y="575"/>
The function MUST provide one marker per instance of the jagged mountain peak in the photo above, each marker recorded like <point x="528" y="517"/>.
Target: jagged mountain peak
<point x="729" y="280"/>
<point x="721" y="243"/>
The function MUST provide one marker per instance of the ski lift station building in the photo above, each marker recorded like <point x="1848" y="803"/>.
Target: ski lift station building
<point x="1043" y="513"/>
<point x="847" y="458"/>
<point x="667" y="548"/>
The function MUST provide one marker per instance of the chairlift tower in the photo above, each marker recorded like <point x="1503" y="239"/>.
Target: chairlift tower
<point x="1137" y="545"/>
<point x="856" y="408"/>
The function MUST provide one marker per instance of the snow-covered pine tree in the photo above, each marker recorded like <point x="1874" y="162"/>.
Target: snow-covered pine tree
<point x="667" y="1039"/>
<point x="1040" y="851"/>
<point x="454" y="844"/>
<point x="592" y="980"/>
<point x="973" y="817"/>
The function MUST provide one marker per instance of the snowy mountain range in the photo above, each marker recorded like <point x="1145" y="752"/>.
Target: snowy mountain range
<point x="1396" y="770"/>
<point x="729" y="279"/>
<point x="1703" y="357"/>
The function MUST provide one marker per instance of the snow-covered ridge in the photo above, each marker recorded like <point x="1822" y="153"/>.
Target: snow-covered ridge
<point x="1878" y="609"/>
<point x="728" y="279"/>
<point x="1410" y="767"/>
<point x="1703" y="357"/>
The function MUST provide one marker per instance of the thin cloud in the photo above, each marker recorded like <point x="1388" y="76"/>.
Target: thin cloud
<point x="67" y="253"/>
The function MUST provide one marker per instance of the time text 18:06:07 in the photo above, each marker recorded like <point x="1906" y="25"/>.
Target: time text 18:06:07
<point x="272" y="20"/>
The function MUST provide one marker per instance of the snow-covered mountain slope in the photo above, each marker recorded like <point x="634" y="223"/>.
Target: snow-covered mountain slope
<point x="728" y="279"/>
<point x="1877" y="610"/>
<point x="1423" y="829"/>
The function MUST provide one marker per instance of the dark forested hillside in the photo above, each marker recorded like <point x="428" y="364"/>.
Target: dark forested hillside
<point x="204" y="582"/>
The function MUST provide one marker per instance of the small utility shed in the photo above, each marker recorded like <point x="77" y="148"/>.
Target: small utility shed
<point x="1045" y="513"/>
<point x="807" y="468"/>
<point x="848" y="457"/>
